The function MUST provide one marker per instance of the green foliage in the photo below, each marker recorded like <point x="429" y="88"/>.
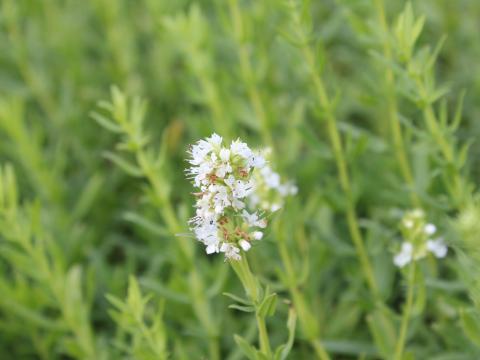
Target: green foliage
<point x="370" y="106"/>
<point x="148" y="341"/>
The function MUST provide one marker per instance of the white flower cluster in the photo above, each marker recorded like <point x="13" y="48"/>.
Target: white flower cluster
<point x="420" y="241"/>
<point x="270" y="191"/>
<point x="224" y="179"/>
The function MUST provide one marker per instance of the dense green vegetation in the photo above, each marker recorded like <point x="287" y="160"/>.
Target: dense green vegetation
<point x="370" y="106"/>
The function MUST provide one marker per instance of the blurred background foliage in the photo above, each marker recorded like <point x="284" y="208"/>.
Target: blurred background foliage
<point x="91" y="207"/>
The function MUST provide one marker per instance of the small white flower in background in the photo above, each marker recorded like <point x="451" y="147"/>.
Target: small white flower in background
<point x="253" y="219"/>
<point x="257" y="235"/>
<point x="245" y="245"/>
<point x="224" y="177"/>
<point x="437" y="247"/>
<point x="418" y="243"/>
<point x="430" y="229"/>
<point x="270" y="192"/>
<point x="404" y="256"/>
<point x="231" y="251"/>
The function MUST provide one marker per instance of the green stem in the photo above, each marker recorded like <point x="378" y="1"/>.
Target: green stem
<point x="248" y="280"/>
<point x="247" y="73"/>
<point x="434" y="129"/>
<point x="25" y="68"/>
<point x="263" y="336"/>
<point x="304" y="312"/>
<point x="341" y="163"/>
<point x="196" y="287"/>
<point x="251" y="286"/>
<point x="320" y="350"/>
<point x="210" y="90"/>
<point x="457" y="189"/>
<point x="392" y="109"/>
<point x="406" y="314"/>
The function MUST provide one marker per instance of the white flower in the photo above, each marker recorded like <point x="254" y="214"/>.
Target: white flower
<point x="287" y="189"/>
<point x="272" y="179"/>
<point x="212" y="247"/>
<point x="206" y="229"/>
<point x="220" y="197"/>
<point x="230" y="180"/>
<point x="256" y="160"/>
<point x="215" y="139"/>
<point x="241" y="189"/>
<point x="245" y="245"/>
<point x="275" y="207"/>
<point x="241" y="149"/>
<point x="254" y="199"/>
<point x="231" y="252"/>
<point x="225" y="179"/>
<point x="430" y="229"/>
<point x="408" y="223"/>
<point x="269" y="190"/>
<point x="417" y="232"/>
<point x="418" y="213"/>
<point x="224" y="167"/>
<point x="199" y="152"/>
<point x="253" y="219"/>
<point x="225" y="155"/>
<point x="204" y="210"/>
<point x="257" y="235"/>
<point x="293" y="189"/>
<point x="437" y="247"/>
<point x="238" y="204"/>
<point x="207" y="233"/>
<point x="404" y="256"/>
<point x="201" y="172"/>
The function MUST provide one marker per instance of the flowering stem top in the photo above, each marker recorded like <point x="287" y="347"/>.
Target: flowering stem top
<point x="223" y="177"/>
<point x="419" y="239"/>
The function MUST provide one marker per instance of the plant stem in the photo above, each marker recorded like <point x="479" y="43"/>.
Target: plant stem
<point x="304" y="312"/>
<point x="247" y="73"/>
<point x="251" y="286"/>
<point x="447" y="151"/>
<point x="341" y="163"/>
<point x="263" y="335"/>
<point x="197" y="291"/>
<point x="248" y="280"/>
<point x="320" y="350"/>
<point x="457" y="188"/>
<point x="394" y="121"/>
<point x="28" y="73"/>
<point x="406" y="313"/>
<point x="210" y="89"/>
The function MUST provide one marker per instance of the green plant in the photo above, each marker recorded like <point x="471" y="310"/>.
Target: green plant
<point x="368" y="109"/>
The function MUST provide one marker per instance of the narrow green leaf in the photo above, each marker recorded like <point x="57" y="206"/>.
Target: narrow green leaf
<point x="125" y="165"/>
<point x="457" y="118"/>
<point x="434" y="55"/>
<point x="143" y="222"/>
<point x="383" y="330"/>
<point x="106" y="123"/>
<point x="351" y="347"/>
<point x="119" y="304"/>
<point x="463" y="153"/>
<point x="284" y="350"/>
<point x="438" y="93"/>
<point x="247" y="349"/>
<point x="267" y="307"/>
<point x="470" y="321"/>
<point x="237" y="298"/>
<point x="242" y="308"/>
